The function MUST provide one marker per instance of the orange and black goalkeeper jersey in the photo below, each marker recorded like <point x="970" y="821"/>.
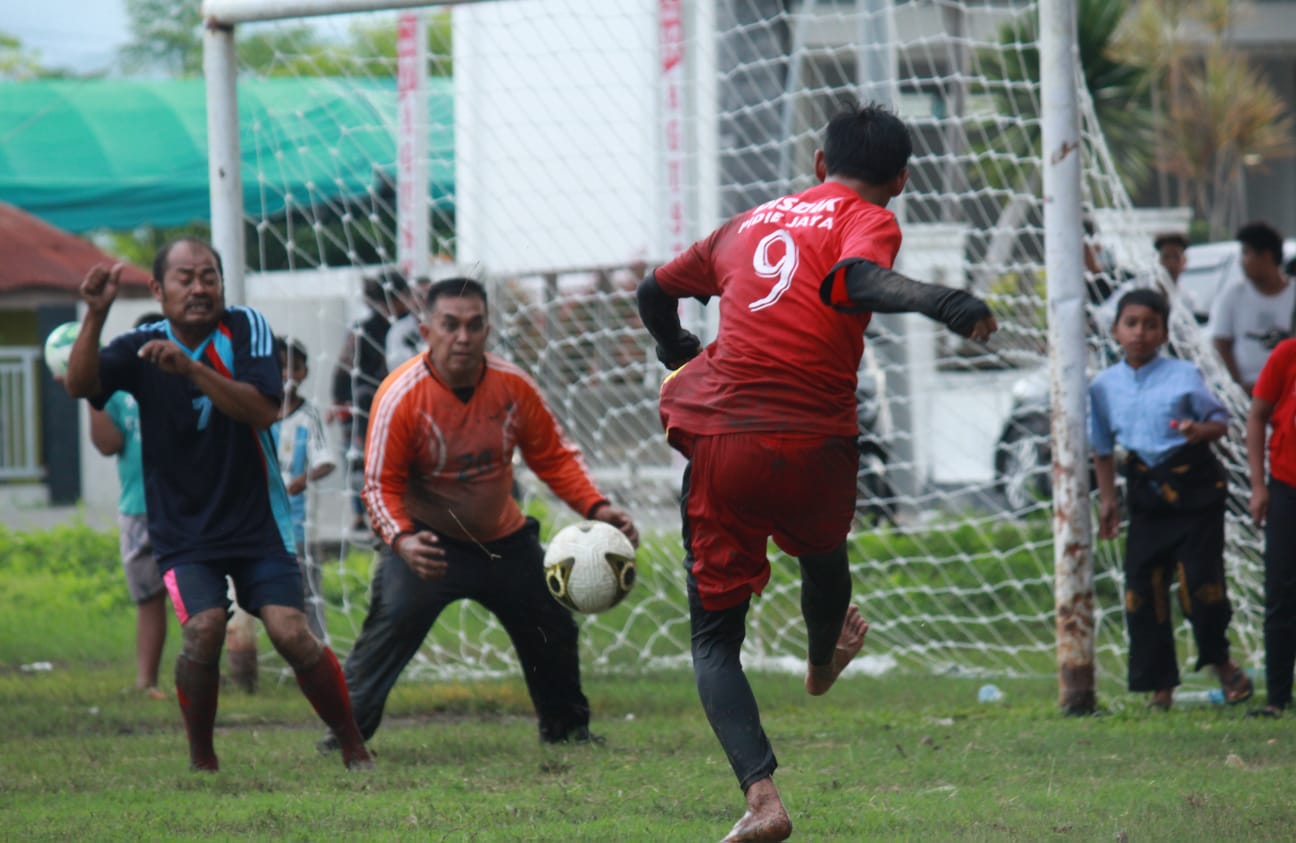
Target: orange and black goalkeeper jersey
<point x="433" y="458"/>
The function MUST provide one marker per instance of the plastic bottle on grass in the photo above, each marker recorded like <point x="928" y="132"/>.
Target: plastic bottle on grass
<point x="1214" y="696"/>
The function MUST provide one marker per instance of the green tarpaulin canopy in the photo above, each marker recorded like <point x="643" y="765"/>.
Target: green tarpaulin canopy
<point x="117" y="154"/>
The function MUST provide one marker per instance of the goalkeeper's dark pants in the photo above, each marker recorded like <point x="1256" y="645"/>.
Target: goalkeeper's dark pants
<point x="1161" y="548"/>
<point x="507" y="578"/>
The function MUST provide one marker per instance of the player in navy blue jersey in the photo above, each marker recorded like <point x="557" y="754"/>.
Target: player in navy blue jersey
<point x="208" y="385"/>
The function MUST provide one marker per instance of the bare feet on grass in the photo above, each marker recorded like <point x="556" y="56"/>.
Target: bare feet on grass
<point x="820" y="677"/>
<point x="766" y="819"/>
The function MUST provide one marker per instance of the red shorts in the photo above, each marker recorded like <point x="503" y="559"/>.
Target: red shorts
<point x="744" y="488"/>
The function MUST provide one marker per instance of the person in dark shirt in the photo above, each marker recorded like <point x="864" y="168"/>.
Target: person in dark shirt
<point x="766" y="416"/>
<point x="361" y="367"/>
<point x="209" y="386"/>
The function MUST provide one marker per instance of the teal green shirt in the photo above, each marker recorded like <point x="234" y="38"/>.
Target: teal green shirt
<point x="124" y="412"/>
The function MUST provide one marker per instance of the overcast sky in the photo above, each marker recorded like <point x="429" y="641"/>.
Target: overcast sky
<point x="83" y="35"/>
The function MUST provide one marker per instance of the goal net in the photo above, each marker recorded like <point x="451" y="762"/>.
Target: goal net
<point x="571" y="145"/>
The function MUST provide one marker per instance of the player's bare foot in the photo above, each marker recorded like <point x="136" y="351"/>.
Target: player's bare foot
<point x="766" y="819"/>
<point x="820" y="677"/>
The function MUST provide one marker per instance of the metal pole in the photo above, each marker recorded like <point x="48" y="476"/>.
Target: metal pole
<point x="1064" y="260"/>
<point x="895" y="336"/>
<point x="243" y="11"/>
<point x="223" y="158"/>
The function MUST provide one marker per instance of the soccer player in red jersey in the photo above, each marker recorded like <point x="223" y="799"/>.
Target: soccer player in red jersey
<point x="766" y="416"/>
<point x="208" y="385"/>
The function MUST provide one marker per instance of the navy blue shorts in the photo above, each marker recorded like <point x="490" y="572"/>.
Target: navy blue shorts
<point x="266" y="581"/>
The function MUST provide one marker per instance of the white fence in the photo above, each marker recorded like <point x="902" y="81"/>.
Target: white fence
<point x="19" y="459"/>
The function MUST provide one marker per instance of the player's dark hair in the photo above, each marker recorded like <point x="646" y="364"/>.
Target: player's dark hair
<point x="389" y="282"/>
<point x="1262" y="237"/>
<point x="456" y="288"/>
<point x="163" y="255"/>
<point x="1172" y="238"/>
<point x="148" y="319"/>
<point x="1148" y="298"/>
<point x="870" y="144"/>
<point x="289" y="348"/>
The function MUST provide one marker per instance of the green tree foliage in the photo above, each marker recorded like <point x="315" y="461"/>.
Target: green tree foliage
<point x="18" y="62"/>
<point x="1214" y="113"/>
<point x="15" y="61"/>
<point x="166" y="36"/>
<point x="1117" y="87"/>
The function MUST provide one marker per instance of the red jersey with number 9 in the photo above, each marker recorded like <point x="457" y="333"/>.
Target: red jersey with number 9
<point x="783" y="361"/>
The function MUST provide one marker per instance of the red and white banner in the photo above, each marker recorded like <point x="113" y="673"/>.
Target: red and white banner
<point x="671" y="19"/>
<point x="412" y="237"/>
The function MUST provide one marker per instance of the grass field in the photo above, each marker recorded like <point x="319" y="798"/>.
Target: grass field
<point x="902" y="757"/>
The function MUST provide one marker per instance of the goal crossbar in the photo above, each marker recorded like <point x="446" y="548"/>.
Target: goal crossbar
<point x="231" y="12"/>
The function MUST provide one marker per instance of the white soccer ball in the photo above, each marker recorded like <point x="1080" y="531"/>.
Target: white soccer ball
<point x="590" y="566"/>
<point x="58" y="347"/>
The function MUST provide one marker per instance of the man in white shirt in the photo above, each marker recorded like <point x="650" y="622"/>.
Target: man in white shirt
<point x="403" y="338"/>
<point x="1252" y="316"/>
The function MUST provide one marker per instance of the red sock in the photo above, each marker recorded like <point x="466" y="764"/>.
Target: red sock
<point x="197" y="689"/>
<point x="326" y="688"/>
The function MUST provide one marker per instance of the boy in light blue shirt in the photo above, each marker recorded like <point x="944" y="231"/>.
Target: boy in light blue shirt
<point x="1160" y="411"/>
<point x="304" y="460"/>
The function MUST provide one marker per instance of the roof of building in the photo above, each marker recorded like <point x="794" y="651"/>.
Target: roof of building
<point x="36" y="255"/>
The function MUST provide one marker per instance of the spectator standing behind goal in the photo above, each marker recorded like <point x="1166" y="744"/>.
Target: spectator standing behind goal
<point x="403" y="340"/>
<point x="1273" y="411"/>
<point x="1250" y="317"/>
<point x="1161" y="412"/>
<point x="115" y="431"/>
<point x="438" y="484"/>
<point x="766" y="416"/>
<point x="303" y="460"/>
<point x="361" y="367"/>
<point x="209" y="388"/>
<point x="1171" y="259"/>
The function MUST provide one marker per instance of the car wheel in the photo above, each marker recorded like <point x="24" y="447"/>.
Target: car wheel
<point x="1024" y="462"/>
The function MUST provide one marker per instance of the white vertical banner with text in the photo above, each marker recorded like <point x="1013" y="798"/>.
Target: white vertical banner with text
<point x="412" y="212"/>
<point x="671" y="23"/>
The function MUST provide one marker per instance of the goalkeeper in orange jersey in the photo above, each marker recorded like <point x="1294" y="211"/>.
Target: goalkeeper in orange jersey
<point x="438" y="485"/>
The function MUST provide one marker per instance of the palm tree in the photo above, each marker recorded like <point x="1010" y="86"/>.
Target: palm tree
<point x="1214" y="112"/>
<point x="1011" y="141"/>
<point x="1116" y="87"/>
<point x="1228" y="116"/>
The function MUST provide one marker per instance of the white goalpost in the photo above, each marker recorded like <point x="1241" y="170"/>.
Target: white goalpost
<point x="558" y="149"/>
